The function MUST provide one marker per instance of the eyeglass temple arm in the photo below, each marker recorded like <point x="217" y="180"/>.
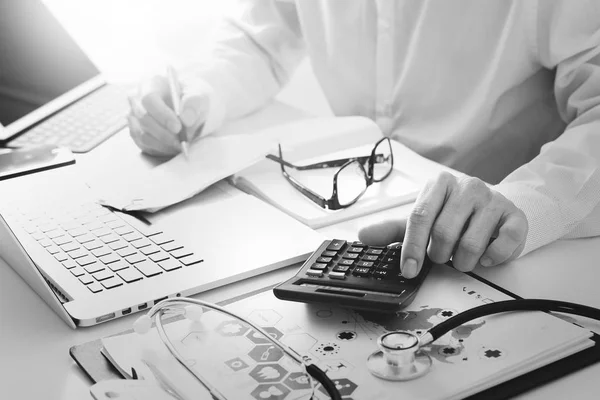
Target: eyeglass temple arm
<point x="314" y="197"/>
<point x="379" y="158"/>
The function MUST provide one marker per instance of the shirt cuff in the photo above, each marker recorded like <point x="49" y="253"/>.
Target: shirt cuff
<point x="543" y="213"/>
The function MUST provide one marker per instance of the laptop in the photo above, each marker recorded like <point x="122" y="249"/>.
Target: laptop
<point x="50" y="91"/>
<point x="91" y="264"/>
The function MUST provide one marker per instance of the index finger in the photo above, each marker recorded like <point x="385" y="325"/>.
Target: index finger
<point x="418" y="228"/>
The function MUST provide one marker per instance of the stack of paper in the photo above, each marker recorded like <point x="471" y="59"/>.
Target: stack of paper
<point x="241" y="365"/>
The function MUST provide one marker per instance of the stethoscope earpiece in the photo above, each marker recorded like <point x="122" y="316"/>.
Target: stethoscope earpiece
<point x="399" y="357"/>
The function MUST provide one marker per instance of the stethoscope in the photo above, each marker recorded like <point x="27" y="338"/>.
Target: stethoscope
<point x="401" y="354"/>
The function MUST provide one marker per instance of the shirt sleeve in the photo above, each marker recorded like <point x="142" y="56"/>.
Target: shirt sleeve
<point x="559" y="190"/>
<point x="255" y="50"/>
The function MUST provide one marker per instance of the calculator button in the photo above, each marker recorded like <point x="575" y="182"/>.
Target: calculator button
<point x="340" y="268"/>
<point x="388" y="266"/>
<point x="394" y="246"/>
<point x="383" y="274"/>
<point x="370" y="258"/>
<point x="351" y="256"/>
<point x="354" y="250"/>
<point x="374" y="251"/>
<point x="319" y="266"/>
<point x="337" y="275"/>
<point x="314" y="273"/>
<point x="358" y="244"/>
<point x="361" y="272"/>
<point x="390" y="260"/>
<point x="365" y="264"/>
<point x="345" y="262"/>
<point x="324" y="260"/>
<point x="336" y="245"/>
<point x="328" y="253"/>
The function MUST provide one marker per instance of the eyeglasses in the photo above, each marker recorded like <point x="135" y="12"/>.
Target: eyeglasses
<point x="351" y="180"/>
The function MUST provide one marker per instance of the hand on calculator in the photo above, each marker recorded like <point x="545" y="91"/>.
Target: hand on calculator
<point x="459" y="218"/>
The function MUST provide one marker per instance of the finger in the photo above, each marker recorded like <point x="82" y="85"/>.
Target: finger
<point x="194" y="108"/>
<point x="163" y="136"/>
<point x="510" y="241"/>
<point x="153" y="99"/>
<point x="383" y="233"/>
<point x="448" y="226"/>
<point x="145" y="142"/>
<point x="474" y="241"/>
<point x="428" y="205"/>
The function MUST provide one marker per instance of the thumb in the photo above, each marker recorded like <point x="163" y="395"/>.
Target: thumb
<point x="194" y="108"/>
<point x="383" y="233"/>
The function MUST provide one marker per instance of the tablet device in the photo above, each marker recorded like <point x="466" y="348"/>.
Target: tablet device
<point x="17" y="162"/>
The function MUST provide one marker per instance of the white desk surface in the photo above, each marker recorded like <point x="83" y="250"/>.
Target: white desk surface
<point x="34" y="343"/>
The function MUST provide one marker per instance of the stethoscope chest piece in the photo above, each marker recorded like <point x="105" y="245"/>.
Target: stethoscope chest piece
<point x="399" y="357"/>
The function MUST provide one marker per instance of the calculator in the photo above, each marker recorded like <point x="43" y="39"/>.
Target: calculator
<point x="353" y="275"/>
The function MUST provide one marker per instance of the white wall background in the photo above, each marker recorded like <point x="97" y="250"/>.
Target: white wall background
<point x="133" y="39"/>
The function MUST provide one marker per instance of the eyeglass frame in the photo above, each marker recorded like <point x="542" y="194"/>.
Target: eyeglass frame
<point x="333" y="203"/>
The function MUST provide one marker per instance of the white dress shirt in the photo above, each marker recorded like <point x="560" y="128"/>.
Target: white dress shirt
<point x="476" y="85"/>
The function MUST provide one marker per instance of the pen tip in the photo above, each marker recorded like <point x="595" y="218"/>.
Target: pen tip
<point x="185" y="149"/>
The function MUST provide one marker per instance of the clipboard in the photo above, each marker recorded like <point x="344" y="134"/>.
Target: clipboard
<point x="90" y="359"/>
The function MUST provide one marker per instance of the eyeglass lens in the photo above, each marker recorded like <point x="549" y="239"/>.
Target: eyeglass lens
<point x="383" y="161"/>
<point x="351" y="183"/>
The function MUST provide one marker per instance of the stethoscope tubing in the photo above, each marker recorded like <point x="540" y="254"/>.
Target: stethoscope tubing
<point x="164" y="307"/>
<point x="545" y="305"/>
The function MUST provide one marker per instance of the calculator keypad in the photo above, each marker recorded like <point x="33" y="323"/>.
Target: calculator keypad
<point x="342" y="260"/>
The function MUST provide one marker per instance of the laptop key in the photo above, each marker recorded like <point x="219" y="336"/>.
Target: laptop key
<point x="45" y="242"/>
<point x="132" y="236"/>
<point x="130" y="275"/>
<point x="171" y="246"/>
<point x="77" y="232"/>
<point x="102" y="275"/>
<point x="160" y="256"/>
<point x="143" y="242"/>
<point x="53" y="249"/>
<point x="77" y="271"/>
<point x="161" y="239"/>
<point x="94" y="287"/>
<point x="111" y="282"/>
<point x="179" y="253"/>
<point x="93" y="245"/>
<point x="170" y="264"/>
<point x="148" y="268"/>
<point x="135" y="258"/>
<point x="55" y="233"/>
<point x="60" y="256"/>
<point x="123" y="229"/>
<point x="190" y="260"/>
<point x="67" y="247"/>
<point x="86" y="279"/>
<point x="38" y="236"/>
<point x="102" y="251"/>
<point x="68" y="264"/>
<point x="85" y="260"/>
<point x="62" y="240"/>
<point x="86" y="238"/>
<point x="118" y="265"/>
<point x="109" y="238"/>
<point x="109" y="258"/>
<point x="152" y="249"/>
<point x="93" y="268"/>
<point x="127" y="251"/>
<point x="118" y="245"/>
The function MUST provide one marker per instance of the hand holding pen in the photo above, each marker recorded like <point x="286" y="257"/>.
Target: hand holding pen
<point x="165" y="116"/>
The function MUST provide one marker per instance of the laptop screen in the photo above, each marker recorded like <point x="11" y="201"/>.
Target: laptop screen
<point x="42" y="69"/>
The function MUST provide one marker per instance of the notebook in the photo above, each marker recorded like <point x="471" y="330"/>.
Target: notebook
<point x="314" y="140"/>
<point x="470" y="359"/>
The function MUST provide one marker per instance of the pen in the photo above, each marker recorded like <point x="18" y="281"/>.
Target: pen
<point x="176" y="100"/>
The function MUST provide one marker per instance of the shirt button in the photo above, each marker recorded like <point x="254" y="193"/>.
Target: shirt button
<point x="385" y="124"/>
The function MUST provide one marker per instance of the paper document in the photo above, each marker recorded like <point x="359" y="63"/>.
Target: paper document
<point x="211" y="159"/>
<point x="242" y="365"/>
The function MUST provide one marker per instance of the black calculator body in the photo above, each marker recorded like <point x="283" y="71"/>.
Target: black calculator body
<point x="353" y="275"/>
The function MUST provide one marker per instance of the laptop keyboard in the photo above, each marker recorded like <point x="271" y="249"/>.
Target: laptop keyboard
<point x="101" y="248"/>
<point x="84" y="124"/>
